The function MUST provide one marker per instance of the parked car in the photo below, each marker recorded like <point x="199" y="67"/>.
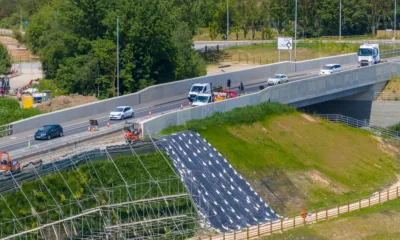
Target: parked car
<point x="277" y="79"/>
<point x="330" y="68"/>
<point x="122" y="112"/>
<point x="49" y="131"/>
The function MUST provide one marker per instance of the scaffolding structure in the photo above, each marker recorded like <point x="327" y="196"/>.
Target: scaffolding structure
<point x="149" y="208"/>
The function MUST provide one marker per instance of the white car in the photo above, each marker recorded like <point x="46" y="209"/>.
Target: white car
<point x="330" y="68"/>
<point x="277" y="79"/>
<point x="122" y="112"/>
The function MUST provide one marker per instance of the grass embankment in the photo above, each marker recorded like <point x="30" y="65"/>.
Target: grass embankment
<point x="295" y="161"/>
<point x="393" y="85"/>
<point x="10" y="111"/>
<point x="379" y="222"/>
<point x="305" y="51"/>
<point x="395" y="127"/>
<point x="83" y="183"/>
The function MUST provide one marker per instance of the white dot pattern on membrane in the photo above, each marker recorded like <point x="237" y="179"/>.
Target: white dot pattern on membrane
<point x="225" y="200"/>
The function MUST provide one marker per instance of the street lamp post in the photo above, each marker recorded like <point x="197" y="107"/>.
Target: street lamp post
<point x="117" y="55"/>
<point x="340" y="21"/>
<point x="227" y="19"/>
<point x="295" y="32"/>
<point x="394" y="25"/>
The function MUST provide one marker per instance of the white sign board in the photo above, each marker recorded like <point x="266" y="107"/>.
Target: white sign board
<point x="285" y="43"/>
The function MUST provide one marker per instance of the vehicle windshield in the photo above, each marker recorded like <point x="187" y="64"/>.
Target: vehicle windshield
<point x="202" y="99"/>
<point x="327" y="67"/>
<point x="364" y="52"/>
<point x="44" y="128"/>
<point x="197" y="89"/>
<point x="118" y="110"/>
<point x="276" y="76"/>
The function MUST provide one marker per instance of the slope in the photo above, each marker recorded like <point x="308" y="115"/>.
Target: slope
<point x="295" y="161"/>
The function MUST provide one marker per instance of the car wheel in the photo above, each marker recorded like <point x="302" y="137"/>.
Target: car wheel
<point x="48" y="137"/>
<point x="131" y="115"/>
<point x="122" y="117"/>
<point x="61" y="134"/>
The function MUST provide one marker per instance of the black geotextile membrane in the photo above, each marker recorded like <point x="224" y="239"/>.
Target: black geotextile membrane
<point x="222" y="197"/>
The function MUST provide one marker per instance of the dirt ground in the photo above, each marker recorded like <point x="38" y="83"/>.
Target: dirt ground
<point x="18" y="51"/>
<point x="62" y="102"/>
<point x="224" y="67"/>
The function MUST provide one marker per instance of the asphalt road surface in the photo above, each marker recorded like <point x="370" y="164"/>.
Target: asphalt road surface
<point x="75" y="131"/>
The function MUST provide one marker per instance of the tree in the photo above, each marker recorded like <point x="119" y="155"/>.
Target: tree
<point x="5" y="60"/>
<point x="279" y="14"/>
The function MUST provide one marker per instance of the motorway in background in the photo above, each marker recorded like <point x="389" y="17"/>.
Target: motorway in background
<point x="75" y="131"/>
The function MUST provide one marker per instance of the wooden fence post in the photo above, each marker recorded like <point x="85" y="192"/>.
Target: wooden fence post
<point x="387" y="199"/>
<point x="338" y="210"/>
<point x="223" y="236"/>
<point x="270" y="227"/>
<point x="359" y="205"/>
<point x="294" y="222"/>
<point x="281" y="224"/>
<point x="234" y="235"/>
<point x="397" y="192"/>
<point x="258" y="230"/>
<point x="316" y="216"/>
<point x="348" y="206"/>
<point x="379" y="197"/>
<point x="369" y="201"/>
<point x="210" y="237"/>
<point x="326" y="213"/>
<point x="247" y="233"/>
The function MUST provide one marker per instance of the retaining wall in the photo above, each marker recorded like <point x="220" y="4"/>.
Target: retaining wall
<point x="175" y="90"/>
<point x="385" y="113"/>
<point x="317" y="89"/>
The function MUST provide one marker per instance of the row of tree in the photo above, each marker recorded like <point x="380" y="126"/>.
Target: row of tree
<point x="315" y="17"/>
<point x="76" y="41"/>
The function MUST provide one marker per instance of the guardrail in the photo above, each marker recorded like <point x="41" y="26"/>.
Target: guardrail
<point x="387" y="96"/>
<point x="6" y="130"/>
<point x="364" y="124"/>
<point x="390" y="52"/>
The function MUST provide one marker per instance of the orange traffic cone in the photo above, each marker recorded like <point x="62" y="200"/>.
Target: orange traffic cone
<point x="149" y="113"/>
<point x="88" y="129"/>
<point x="190" y="103"/>
<point x="108" y="124"/>
<point x="181" y="106"/>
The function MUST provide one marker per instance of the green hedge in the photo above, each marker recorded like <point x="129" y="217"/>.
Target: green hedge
<point x="237" y="116"/>
<point x="10" y="111"/>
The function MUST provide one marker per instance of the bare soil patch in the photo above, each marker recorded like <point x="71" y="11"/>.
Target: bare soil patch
<point x="62" y="102"/>
<point x="18" y="52"/>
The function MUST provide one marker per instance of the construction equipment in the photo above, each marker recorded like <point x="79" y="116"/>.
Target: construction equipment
<point x="7" y="165"/>
<point x="132" y="132"/>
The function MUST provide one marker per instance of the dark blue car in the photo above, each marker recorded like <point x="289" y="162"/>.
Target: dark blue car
<point x="49" y="131"/>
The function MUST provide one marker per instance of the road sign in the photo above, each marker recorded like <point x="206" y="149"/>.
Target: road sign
<point x="285" y="43"/>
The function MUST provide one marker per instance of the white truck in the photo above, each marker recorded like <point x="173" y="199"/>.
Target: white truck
<point x="368" y="54"/>
<point x="203" y="99"/>
<point x="199" y="88"/>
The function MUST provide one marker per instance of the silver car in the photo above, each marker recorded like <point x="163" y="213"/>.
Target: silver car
<point x="277" y="79"/>
<point x="120" y="113"/>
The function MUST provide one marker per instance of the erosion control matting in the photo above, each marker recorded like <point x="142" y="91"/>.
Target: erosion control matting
<point x="224" y="199"/>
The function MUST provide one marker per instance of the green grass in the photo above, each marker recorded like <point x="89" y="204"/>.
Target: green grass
<point x="295" y="162"/>
<point x="376" y="222"/>
<point x="395" y="127"/>
<point x="83" y="182"/>
<point x="267" y="52"/>
<point x="10" y="111"/>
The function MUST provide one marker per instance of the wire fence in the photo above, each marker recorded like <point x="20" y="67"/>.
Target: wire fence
<point x="387" y="96"/>
<point x="364" y="124"/>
